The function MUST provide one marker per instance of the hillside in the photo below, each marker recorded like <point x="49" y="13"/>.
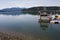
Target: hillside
<point x="34" y="10"/>
<point x="11" y="11"/>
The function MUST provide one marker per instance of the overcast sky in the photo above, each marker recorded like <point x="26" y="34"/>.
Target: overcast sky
<point x="28" y="3"/>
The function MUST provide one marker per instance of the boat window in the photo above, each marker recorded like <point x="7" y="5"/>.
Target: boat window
<point x="43" y="15"/>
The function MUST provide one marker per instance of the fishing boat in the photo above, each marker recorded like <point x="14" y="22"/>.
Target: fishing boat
<point x="44" y="17"/>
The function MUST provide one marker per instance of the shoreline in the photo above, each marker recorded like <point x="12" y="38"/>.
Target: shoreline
<point x="5" y="36"/>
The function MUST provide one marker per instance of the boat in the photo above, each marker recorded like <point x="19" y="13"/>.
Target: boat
<point x="55" y="19"/>
<point x="44" y="17"/>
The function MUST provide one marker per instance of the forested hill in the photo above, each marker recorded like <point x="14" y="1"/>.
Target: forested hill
<point x="34" y="10"/>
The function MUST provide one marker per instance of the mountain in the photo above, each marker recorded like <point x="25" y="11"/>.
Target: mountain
<point x="11" y="9"/>
<point x="32" y="10"/>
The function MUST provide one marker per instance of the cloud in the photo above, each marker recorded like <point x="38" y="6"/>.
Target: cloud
<point x="28" y="3"/>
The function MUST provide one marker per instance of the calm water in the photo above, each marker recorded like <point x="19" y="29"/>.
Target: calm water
<point x="29" y="25"/>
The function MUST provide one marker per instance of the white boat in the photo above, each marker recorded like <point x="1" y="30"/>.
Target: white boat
<point x="55" y="20"/>
<point x="44" y="17"/>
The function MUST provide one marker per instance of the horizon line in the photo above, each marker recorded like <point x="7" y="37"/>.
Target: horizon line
<point x="31" y="7"/>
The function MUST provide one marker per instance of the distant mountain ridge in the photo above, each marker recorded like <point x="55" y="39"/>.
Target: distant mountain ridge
<point x="11" y="9"/>
<point x="32" y="10"/>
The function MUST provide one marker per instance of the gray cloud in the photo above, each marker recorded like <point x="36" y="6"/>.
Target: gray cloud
<point x="28" y="3"/>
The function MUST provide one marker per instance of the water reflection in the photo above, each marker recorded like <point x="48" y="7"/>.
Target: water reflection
<point x="49" y="31"/>
<point x="29" y="25"/>
<point x="43" y="25"/>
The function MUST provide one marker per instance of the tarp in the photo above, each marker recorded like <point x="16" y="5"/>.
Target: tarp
<point x="58" y="17"/>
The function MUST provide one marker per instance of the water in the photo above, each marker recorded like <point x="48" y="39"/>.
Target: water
<point x="29" y="25"/>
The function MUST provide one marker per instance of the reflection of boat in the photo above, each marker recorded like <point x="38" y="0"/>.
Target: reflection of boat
<point x="44" y="25"/>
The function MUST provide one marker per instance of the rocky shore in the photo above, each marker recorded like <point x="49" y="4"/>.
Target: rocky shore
<point x="4" y="36"/>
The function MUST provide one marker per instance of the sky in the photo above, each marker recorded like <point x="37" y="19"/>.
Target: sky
<point x="27" y="3"/>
